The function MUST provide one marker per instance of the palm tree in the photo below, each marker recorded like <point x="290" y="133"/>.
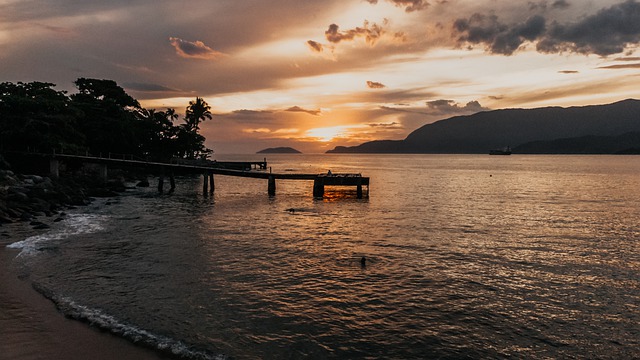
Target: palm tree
<point x="171" y="114"/>
<point x="197" y="111"/>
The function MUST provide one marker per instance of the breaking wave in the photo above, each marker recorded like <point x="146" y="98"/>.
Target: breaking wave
<point x="106" y="322"/>
<point x="74" y="224"/>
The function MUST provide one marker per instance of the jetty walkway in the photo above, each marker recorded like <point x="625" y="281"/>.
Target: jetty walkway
<point x="246" y="169"/>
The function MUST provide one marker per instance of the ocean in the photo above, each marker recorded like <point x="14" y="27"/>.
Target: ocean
<point x="467" y="257"/>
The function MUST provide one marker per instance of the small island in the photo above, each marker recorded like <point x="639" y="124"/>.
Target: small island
<point x="279" y="150"/>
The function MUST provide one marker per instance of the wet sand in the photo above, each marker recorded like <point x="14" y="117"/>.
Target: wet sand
<point x="32" y="328"/>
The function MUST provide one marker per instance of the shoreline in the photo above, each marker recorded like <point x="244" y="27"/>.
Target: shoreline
<point x="32" y="328"/>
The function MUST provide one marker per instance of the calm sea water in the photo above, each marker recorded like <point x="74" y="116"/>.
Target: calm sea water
<point x="469" y="256"/>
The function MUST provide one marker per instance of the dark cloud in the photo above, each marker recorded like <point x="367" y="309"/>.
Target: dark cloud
<point x="245" y="116"/>
<point x="407" y="110"/>
<point x="621" y="66"/>
<point x="375" y="85"/>
<point x="409" y="5"/>
<point x="245" y="112"/>
<point x="193" y="49"/>
<point x="315" y="46"/>
<point x="440" y="108"/>
<point x="560" y="4"/>
<point x="499" y="38"/>
<point x="451" y="107"/>
<point x="391" y="125"/>
<point x="36" y="10"/>
<point x="371" y="33"/>
<point x="144" y="87"/>
<point x="609" y="31"/>
<point x="568" y="71"/>
<point x="543" y="5"/>
<point x="299" y="109"/>
<point x="629" y="58"/>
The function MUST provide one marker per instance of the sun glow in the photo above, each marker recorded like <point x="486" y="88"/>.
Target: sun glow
<point x="326" y="134"/>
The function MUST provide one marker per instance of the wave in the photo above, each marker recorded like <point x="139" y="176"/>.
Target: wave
<point x="74" y="224"/>
<point x="138" y="336"/>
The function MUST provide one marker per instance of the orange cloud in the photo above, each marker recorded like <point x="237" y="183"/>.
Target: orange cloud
<point x="315" y="46"/>
<point x="375" y="85"/>
<point x="299" y="109"/>
<point x="371" y="33"/>
<point x="194" y="49"/>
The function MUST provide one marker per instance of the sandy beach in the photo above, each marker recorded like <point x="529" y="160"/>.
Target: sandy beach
<point x="32" y="328"/>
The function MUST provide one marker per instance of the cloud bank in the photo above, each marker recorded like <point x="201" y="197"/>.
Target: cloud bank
<point x="610" y="31"/>
<point x="409" y="5"/>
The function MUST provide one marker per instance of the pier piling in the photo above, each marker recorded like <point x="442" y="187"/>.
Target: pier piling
<point x="318" y="187"/>
<point x="161" y="183"/>
<point x="54" y="166"/>
<point x="272" y="185"/>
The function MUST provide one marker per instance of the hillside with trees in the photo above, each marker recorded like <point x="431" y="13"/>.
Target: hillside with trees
<point x="483" y="131"/>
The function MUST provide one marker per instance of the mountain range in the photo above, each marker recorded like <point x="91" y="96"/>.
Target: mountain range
<point x="575" y="127"/>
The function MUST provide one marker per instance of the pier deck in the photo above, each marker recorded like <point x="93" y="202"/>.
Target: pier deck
<point x="209" y="168"/>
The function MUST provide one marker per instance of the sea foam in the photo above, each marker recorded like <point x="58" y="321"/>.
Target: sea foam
<point x="74" y="224"/>
<point x="98" y="318"/>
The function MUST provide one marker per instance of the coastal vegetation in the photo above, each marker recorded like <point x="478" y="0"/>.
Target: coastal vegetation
<point x="100" y="118"/>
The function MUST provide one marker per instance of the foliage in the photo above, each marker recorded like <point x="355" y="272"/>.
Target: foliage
<point x="36" y="116"/>
<point x="197" y="112"/>
<point x="100" y="118"/>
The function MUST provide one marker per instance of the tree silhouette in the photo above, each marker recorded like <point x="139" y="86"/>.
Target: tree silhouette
<point x="108" y="116"/>
<point x="37" y="117"/>
<point x="197" y="111"/>
<point x="101" y="117"/>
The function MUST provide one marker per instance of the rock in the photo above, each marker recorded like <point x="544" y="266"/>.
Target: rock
<point x="18" y="197"/>
<point x="102" y="192"/>
<point x="116" y="185"/>
<point x="143" y="183"/>
<point x="36" y="179"/>
<point x="17" y="189"/>
<point x="26" y="216"/>
<point x="12" y="213"/>
<point x="9" y="180"/>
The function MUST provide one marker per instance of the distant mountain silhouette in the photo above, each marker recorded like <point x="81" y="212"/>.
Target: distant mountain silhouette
<point x="622" y="144"/>
<point x="279" y="150"/>
<point x="487" y="130"/>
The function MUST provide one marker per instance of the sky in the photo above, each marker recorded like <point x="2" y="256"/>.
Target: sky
<point x="315" y="74"/>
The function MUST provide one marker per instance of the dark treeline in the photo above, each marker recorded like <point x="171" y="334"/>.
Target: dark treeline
<point x="100" y="118"/>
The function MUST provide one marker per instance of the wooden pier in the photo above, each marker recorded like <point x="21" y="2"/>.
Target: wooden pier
<point x="208" y="169"/>
<point x="357" y="180"/>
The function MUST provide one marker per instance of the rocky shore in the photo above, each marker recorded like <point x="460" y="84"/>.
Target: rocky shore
<point x="32" y="198"/>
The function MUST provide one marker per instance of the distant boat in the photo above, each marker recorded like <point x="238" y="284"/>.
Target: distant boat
<point x="504" y="151"/>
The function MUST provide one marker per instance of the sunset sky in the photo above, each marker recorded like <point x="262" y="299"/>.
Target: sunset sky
<point x="315" y="74"/>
